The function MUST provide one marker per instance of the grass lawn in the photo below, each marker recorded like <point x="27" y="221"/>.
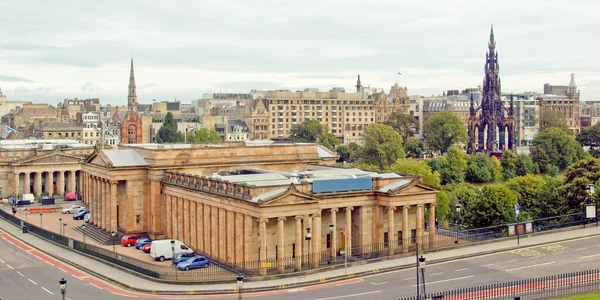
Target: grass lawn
<point x="582" y="297"/>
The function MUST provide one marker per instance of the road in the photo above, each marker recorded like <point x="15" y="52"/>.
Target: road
<point x="27" y="274"/>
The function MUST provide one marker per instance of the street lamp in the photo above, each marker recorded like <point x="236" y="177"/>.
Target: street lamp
<point x="421" y="265"/>
<point x="41" y="224"/>
<point x="308" y="237"/>
<point x="60" y="225"/>
<point x="113" y="234"/>
<point x="83" y="227"/>
<point x="63" y="287"/>
<point x="240" y="284"/>
<point x="332" y="236"/>
<point x="173" y="256"/>
<point x="458" y="208"/>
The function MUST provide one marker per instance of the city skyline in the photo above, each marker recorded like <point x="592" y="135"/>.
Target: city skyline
<point x="230" y="46"/>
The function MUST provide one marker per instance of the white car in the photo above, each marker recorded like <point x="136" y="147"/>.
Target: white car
<point x="71" y="210"/>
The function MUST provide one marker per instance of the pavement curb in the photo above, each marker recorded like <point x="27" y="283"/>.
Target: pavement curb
<point x="292" y="285"/>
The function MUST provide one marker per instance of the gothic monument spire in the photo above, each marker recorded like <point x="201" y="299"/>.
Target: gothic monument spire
<point x="132" y="96"/>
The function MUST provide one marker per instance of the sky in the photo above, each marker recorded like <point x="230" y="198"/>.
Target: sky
<point x="54" y="50"/>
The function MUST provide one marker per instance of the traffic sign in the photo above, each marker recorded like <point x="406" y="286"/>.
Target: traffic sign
<point x="517" y="209"/>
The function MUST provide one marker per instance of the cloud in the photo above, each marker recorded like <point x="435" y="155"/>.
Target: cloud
<point x="89" y="87"/>
<point x="22" y="90"/>
<point x="14" y="79"/>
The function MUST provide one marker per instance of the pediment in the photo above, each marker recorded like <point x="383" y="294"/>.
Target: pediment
<point x="289" y="197"/>
<point x="414" y="188"/>
<point x="50" y="159"/>
<point x="99" y="159"/>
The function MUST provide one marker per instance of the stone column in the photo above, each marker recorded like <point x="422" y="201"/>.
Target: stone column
<point x="249" y="238"/>
<point x="86" y="187"/>
<point x="349" y="230"/>
<point x="280" y="244"/>
<point x="49" y="183"/>
<point x="432" y="225"/>
<point x="60" y="182"/>
<point x="392" y="242"/>
<point x="316" y="240"/>
<point x="101" y="202"/>
<point x="186" y="222"/>
<point x="71" y="181"/>
<point x="263" y="244"/>
<point x="334" y="233"/>
<point x="405" y="229"/>
<point x="419" y="225"/>
<point x="37" y="184"/>
<point x="93" y="208"/>
<point x="222" y="231"/>
<point x="200" y="227"/>
<point x="230" y="236"/>
<point x="27" y="183"/>
<point x="114" y="222"/>
<point x="106" y="205"/>
<point x="239" y="237"/>
<point x="180" y="228"/>
<point x="193" y="229"/>
<point x="298" y="253"/>
<point x="168" y="201"/>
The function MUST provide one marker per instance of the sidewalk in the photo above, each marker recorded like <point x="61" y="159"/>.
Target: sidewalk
<point x="134" y="283"/>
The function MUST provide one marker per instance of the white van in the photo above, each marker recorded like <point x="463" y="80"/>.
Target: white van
<point x="161" y="249"/>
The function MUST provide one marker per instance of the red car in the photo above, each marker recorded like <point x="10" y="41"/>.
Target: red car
<point x="129" y="239"/>
<point x="147" y="248"/>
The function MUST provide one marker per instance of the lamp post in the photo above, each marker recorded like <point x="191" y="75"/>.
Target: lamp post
<point x="458" y="207"/>
<point x="421" y="265"/>
<point x="41" y="224"/>
<point x="60" y="225"/>
<point x="308" y="238"/>
<point x="240" y="284"/>
<point x="173" y="256"/>
<point x="83" y="228"/>
<point x="332" y="236"/>
<point x="63" y="287"/>
<point x="113" y="234"/>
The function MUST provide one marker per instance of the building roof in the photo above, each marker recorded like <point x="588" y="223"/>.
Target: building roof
<point x="325" y="153"/>
<point x="125" y="158"/>
<point x="394" y="185"/>
<point x="268" y="195"/>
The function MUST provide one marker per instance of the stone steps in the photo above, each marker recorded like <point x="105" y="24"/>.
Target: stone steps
<point x="98" y="235"/>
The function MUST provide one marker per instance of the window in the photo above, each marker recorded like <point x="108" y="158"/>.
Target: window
<point x="329" y="241"/>
<point x="137" y="220"/>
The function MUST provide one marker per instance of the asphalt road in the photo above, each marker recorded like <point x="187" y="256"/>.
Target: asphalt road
<point x="26" y="274"/>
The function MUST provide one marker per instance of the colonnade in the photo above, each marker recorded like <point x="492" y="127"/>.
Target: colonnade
<point x="100" y="194"/>
<point x="64" y="181"/>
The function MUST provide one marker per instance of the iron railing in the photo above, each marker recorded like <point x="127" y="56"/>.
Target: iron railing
<point x="525" y="289"/>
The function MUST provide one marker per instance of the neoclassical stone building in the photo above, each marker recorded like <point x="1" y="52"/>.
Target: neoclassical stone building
<point x="240" y="203"/>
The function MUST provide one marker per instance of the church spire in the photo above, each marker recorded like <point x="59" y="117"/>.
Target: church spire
<point x="358" y="84"/>
<point x="132" y="96"/>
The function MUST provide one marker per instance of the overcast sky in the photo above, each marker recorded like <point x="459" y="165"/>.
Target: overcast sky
<point x="52" y="50"/>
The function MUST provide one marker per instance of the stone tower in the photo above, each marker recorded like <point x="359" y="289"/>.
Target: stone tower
<point x="491" y="123"/>
<point x="358" y="84"/>
<point x="132" y="97"/>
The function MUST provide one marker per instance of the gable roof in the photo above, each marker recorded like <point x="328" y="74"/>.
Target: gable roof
<point x="125" y="158"/>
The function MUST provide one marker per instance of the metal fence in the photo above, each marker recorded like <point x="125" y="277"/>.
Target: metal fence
<point x="536" y="288"/>
<point x="222" y="271"/>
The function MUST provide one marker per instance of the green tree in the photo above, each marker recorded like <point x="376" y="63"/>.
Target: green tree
<point x="415" y="167"/>
<point x="443" y="130"/>
<point x="550" y="203"/>
<point x="552" y="118"/>
<point x="168" y="133"/>
<point x="576" y="178"/>
<point x="312" y="131"/>
<point x="527" y="188"/>
<point x="525" y="165"/>
<point x="589" y="136"/>
<point x="497" y="168"/>
<point x="404" y="124"/>
<point x="442" y="206"/>
<point x="463" y="194"/>
<point x="382" y="145"/>
<point x="345" y="153"/>
<point x="452" y="167"/>
<point x="479" y="168"/>
<point x="495" y="206"/>
<point x="509" y="164"/>
<point x="414" y="147"/>
<point x="554" y="146"/>
<point x="203" y="135"/>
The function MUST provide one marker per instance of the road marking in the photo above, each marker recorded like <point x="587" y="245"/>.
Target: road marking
<point x="379" y="283"/>
<point x="512" y="260"/>
<point x="292" y="290"/>
<point x="1" y="261"/>
<point x="460" y="270"/>
<point x="532" y="266"/>
<point x="590" y="256"/>
<point x="488" y="265"/>
<point x="95" y="286"/>
<point x="345" y="283"/>
<point x="124" y="295"/>
<point x="32" y="281"/>
<point x="579" y="249"/>
<point x="348" y="296"/>
<point x="409" y="278"/>
<point x="21" y="274"/>
<point x="30" y="250"/>
<point x="10" y="266"/>
<point x="446" y="280"/>
<point x="436" y="274"/>
<point x="63" y="270"/>
<point x="51" y="293"/>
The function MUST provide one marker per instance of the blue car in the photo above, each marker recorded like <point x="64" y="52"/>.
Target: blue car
<point x="180" y="257"/>
<point x="140" y="243"/>
<point x="80" y="214"/>
<point x="194" y="263"/>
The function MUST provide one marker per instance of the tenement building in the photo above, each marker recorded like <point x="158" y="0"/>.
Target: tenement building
<point x="242" y="203"/>
<point x="564" y="99"/>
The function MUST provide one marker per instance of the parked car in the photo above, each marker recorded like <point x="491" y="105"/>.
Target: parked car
<point x="194" y="263"/>
<point x="161" y="249"/>
<point x="142" y="242"/>
<point x="71" y="210"/>
<point x="183" y="257"/>
<point x="147" y="248"/>
<point x="87" y="217"/>
<point x="80" y="214"/>
<point x="129" y="239"/>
